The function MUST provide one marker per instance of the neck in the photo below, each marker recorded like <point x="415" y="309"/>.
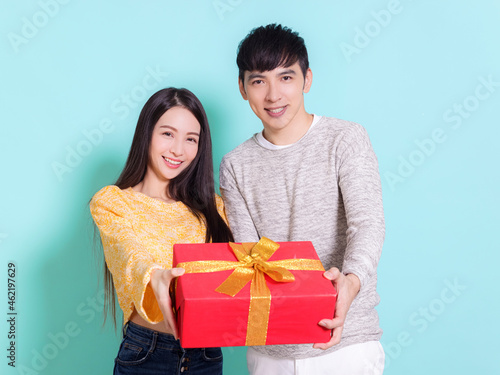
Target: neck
<point x="297" y="128"/>
<point x="153" y="188"/>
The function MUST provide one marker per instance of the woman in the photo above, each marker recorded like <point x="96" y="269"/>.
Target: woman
<point x="164" y="195"/>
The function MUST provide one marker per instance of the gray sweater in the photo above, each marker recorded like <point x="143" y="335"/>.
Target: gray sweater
<point x="325" y="188"/>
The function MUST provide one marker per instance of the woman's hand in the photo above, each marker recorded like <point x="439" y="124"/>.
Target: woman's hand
<point x="160" y="282"/>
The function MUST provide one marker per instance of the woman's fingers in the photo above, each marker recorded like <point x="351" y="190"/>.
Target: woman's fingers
<point x="168" y="316"/>
<point x="166" y="305"/>
<point x="177" y="271"/>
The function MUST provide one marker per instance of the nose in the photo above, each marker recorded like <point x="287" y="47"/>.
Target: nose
<point x="273" y="94"/>
<point x="176" y="147"/>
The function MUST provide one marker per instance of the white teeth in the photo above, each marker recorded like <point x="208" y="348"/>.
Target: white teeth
<point x="171" y="161"/>
<point x="277" y="110"/>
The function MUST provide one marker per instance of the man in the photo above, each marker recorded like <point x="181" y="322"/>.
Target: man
<point x="308" y="178"/>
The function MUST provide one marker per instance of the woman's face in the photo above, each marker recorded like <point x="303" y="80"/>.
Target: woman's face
<point x="174" y="143"/>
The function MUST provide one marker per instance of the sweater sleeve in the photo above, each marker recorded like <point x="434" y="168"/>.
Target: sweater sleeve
<point x="221" y="208"/>
<point x="238" y="215"/>
<point x="361" y="190"/>
<point x="128" y="261"/>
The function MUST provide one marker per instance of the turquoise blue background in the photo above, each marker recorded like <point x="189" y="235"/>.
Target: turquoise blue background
<point x="403" y="81"/>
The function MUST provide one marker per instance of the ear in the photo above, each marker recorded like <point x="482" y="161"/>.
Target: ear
<point x="242" y="89"/>
<point x="308" y="79"/>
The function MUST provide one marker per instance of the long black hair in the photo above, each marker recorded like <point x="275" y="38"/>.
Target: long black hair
<point x="194" y="186"/>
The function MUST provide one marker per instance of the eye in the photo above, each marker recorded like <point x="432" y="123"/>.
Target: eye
<point x="192" y="140"/>
<point x="168" y="134"/>
<point x="257" y="82"/>
<point x="287" y="78"/>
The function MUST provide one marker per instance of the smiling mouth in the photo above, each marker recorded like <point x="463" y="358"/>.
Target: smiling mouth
<point x="276" y="110"/>
<point x="171" y="161"/>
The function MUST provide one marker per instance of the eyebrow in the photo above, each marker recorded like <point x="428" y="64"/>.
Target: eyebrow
<point x="255" y="75"/>
<point x="260" y="75"/>
<point x="288" y="71"/>
<point x="173" y="128"/>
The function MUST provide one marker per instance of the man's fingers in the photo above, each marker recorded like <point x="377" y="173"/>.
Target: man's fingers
<point x="332" y="273"/>
<point x="331" y="323"/>
<point x="336" y="334"/>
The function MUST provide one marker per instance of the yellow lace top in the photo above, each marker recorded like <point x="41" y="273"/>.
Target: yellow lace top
<point x="138" y="233"/>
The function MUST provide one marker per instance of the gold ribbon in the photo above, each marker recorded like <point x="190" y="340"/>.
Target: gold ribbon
<point x="251" y="266"/>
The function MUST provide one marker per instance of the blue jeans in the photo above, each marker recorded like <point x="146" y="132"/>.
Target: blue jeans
<point x="148" y="352"/>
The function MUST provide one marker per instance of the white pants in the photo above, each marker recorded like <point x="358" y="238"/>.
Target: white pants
<point x="359" y="359"/>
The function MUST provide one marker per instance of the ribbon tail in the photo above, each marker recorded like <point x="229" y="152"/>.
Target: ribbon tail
<point x="258" y="313"/>
<point x="279" y="274"/>
<point x="236" y="281"/>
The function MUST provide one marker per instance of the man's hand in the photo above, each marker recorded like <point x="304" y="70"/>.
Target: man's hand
<point x="160" y="282"/>
<point x="347" y="287"/>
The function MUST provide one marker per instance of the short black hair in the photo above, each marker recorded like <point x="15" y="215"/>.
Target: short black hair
<point x="268" y="47"/>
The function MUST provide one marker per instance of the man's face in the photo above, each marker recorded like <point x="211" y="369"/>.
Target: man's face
<point x="277" y="96"/>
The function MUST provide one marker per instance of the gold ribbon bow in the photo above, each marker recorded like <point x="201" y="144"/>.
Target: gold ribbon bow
<point x="251" y="266"/>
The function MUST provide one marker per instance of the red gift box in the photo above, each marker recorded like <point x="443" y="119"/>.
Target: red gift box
<point x="209" y="318"/>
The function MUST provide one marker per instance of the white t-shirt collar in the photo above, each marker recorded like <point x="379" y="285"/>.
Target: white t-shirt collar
<point x="271" y="146"/>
